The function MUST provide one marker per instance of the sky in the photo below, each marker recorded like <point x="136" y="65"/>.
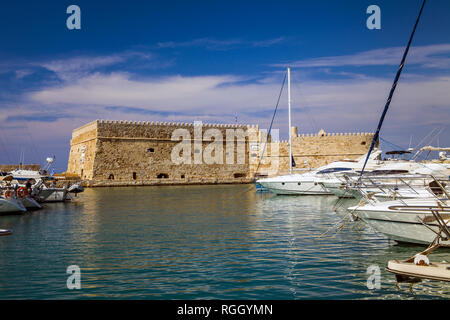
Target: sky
<point x="220" y="62"/>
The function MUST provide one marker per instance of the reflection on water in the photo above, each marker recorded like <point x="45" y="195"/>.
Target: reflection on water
<point x="199" y="242"/>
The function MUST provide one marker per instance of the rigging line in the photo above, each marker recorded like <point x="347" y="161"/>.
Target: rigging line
<point x="436" y="136"/>
<point x="391" y="93"/>
<point x="416" y="155"/>
<point x="421" y="141"/>
<point x="392" y="144"/>
<point x="270" y="127"/>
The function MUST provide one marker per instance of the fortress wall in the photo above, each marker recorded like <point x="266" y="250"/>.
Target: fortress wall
<point x="125" y="150"/>
<point x="318" y="150"/>
<point x="154" y="130"/>
<point x="140" y="152"/>
<point x="82" y="150"/>
<point x="127" y="160"/>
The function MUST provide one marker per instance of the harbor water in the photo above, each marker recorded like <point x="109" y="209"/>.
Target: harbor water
<point x="200" y="242"/>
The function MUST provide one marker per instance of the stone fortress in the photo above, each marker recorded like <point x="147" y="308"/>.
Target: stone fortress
<point x="120" y="153"/>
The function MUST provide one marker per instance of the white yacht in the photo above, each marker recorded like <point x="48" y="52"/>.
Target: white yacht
<point x="407" y="220"/>
<point x="390" y="177"/>
<point x="309" y="183"/>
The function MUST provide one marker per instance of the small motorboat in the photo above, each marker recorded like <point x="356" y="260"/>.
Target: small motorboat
<point x="419" y="266"/>
<point x="5" y="232"/>
<point x="75" y="188"/>
<point x="433" y="271"/>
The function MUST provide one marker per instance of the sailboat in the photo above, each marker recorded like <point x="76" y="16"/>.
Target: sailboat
<point x="308" y="183"/>
<point x="417" y="220"/>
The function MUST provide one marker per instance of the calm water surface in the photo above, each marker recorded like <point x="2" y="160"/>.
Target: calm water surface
<point x="198" y="242"/>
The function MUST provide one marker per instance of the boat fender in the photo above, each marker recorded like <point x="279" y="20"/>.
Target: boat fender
<point x="421" y="260"/>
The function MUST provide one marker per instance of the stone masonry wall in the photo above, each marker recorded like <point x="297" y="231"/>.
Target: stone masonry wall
<point x="124" y="153"/>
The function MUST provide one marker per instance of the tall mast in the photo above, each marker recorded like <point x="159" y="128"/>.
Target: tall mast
<point x="290" y="124"/>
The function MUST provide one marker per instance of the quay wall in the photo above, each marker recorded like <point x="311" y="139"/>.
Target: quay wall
<point x="11" y="167"/>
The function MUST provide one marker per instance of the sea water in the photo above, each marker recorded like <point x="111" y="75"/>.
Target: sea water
<point x="201" y="242"/>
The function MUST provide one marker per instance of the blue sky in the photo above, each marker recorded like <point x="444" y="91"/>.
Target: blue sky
<point x="214" y="60"/>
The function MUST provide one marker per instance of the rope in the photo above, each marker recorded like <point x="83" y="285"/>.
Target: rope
<point x="396" y="147"/>
<point x="270" y="127"/>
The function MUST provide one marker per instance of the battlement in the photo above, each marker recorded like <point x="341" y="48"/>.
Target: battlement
<point x="174" y="124"/>
<point x="118" y="128"/>
<point x="340" y="134"/>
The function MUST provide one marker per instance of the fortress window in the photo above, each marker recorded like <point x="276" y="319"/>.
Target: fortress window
<point x="134" y="176"/>
<point x="150" y="150"/>
<point x="111" y="177"/>
<point x="163" y="176"/>
<point x="239" y="175"/>
<point x="182" y="176"/>
<point x="363" y="143"/>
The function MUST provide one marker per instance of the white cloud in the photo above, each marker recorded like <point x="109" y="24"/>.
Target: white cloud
<point x="421" y="102"/>
<point x="354" y="103"/>
<point x="214" y="44"/>
<point x="431" y="56"/>
<point x="75" y="67"/>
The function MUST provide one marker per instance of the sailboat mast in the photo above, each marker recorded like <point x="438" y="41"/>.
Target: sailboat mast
<point x="290" y="124"/>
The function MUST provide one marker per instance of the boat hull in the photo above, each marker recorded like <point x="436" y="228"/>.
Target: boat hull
<point x="11" y="206"/>
<point x="295" y="188"/>
<point x="30" y="204"/>
<point x="53" y="195"/>
<point x="435" y="271"/>
<point x="339" y="190"/>
<point x="401" y="225"/>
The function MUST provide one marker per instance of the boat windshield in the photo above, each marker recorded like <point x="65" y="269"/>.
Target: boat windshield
<point x="387" y="172"/>
<point x="332" y="170"/>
